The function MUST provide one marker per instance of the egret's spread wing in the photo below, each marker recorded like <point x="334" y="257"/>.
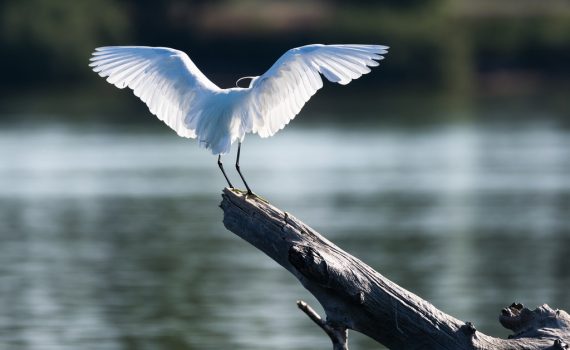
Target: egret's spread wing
<point x="278" y="95"/>
<point x="165" y="79"/>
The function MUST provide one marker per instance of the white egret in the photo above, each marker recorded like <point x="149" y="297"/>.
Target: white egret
<point x="180" y="95"/>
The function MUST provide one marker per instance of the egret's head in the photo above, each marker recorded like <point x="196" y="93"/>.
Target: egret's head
<point x="252" y="79"/>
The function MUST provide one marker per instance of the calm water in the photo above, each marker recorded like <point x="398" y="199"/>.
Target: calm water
<point x="111" y="238"/>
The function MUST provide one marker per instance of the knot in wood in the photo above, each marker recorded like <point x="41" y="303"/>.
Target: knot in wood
<point x="469" y="328"/>
<point x="309" y="263"/>
<point x="560" y="344"/>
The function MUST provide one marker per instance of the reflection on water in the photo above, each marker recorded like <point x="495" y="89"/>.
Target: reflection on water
<point x="112" y="238"/>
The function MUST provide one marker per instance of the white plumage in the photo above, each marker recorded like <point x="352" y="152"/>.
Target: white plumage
<point x="180" y="95"/>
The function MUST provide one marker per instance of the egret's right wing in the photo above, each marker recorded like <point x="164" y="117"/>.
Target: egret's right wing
<point x="277" y="96"/>
<point x="165" y="79"/>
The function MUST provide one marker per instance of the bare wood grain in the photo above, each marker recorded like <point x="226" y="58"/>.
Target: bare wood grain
<point x="355" y="296"/>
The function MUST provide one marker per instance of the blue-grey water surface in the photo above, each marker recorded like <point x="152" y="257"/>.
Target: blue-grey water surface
<point x="111" y="237"/>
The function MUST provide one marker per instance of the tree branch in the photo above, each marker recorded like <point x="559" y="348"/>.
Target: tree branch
<point x="338" y="334"/>
<point x="354" y="296"/>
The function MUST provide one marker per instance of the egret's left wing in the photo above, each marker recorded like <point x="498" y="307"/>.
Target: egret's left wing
<point x="167" y="80"/>
<point x="277" y="96"/>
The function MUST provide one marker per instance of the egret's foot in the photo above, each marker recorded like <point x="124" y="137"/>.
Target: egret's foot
<point x="238" y="191"/>
<point x="249" y="194"/>
<point x="253" y="195"/>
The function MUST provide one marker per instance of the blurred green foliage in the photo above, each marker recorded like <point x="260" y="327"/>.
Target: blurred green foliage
<point x="43" y="39"/>
<point x="457" y="45"/>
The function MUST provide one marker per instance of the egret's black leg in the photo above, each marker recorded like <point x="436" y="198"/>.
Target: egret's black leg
<point x="223" y="171"/>
<point x="239" y="172"/>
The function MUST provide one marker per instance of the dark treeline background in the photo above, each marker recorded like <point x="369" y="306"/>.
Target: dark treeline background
<point x="486" y="46"/>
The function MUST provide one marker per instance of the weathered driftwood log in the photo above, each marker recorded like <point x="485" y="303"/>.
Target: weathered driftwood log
<point x="355" y="296"/>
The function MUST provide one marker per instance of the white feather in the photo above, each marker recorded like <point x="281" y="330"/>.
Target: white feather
<point x="338" y="63"/>
<point x="179" y="94"/>
<point x="160" y="77"/>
